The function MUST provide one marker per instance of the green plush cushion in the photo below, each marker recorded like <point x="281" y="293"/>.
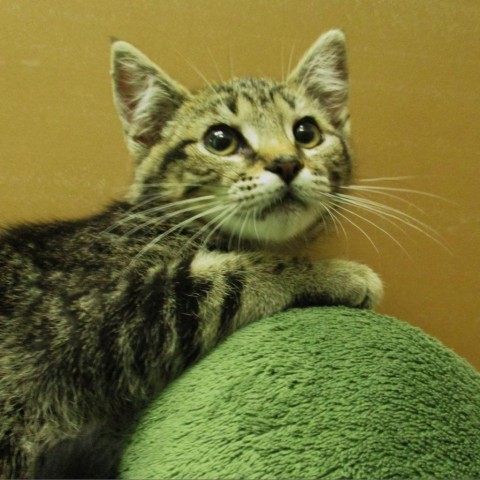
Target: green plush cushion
<point x="316" y="393"/>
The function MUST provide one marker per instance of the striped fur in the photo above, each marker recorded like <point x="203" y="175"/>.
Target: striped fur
<point x="97" y="315"/>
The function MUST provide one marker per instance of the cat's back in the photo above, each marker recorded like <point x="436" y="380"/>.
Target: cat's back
<point x="33" y="248"/>
<point x="61" y="261"/>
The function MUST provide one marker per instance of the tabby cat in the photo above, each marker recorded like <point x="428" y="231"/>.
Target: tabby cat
<point x="98" y="314"/>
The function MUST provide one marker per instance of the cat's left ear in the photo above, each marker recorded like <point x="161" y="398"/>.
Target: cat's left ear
<point x="145" y="97"/>
<point x="323" y="73"/>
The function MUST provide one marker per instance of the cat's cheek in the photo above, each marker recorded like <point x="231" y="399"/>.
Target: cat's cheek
<point x="256" y="193"/>
<point x="312" y="187"/>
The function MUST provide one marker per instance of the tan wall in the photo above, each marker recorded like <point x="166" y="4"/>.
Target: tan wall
<point x="415" y="108"/>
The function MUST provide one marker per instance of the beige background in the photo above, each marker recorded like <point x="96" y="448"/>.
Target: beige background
<point x="415" y="110"/>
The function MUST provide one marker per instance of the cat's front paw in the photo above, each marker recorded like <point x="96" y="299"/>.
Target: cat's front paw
<point x="367" y="288"/>
<point x="353" y="284"/>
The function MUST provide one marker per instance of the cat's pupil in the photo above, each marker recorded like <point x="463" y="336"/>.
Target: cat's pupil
<point x="306" y="133"/>
<point x="222" y="140"/>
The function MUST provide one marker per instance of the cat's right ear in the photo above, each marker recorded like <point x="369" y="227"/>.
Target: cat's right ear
<point x="145" y="97"/>
<point x="323" y="73"/>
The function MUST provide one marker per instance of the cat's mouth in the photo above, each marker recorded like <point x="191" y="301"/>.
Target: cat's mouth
<point x="287" y="203"/>
<point x="276" y="213"/>
<point x="289" y="200"/>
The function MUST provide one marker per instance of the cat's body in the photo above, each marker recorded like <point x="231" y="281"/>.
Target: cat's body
<point x="97" y="315"/>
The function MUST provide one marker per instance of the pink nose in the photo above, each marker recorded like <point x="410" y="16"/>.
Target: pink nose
<point x="286" y="167"/>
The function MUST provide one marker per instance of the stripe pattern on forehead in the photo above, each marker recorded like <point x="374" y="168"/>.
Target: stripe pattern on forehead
<point x="255" y="91"/>
<point x="261" y="92"/>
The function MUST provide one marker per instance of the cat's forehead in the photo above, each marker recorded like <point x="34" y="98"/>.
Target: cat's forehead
<point x="254" y="100"/>
<point x="258" y="92"/>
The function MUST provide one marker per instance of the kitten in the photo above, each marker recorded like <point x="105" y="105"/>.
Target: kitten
<point x="97" y="315"/>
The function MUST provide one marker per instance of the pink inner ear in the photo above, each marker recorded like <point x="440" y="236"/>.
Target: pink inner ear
<point x="127" y="81"/>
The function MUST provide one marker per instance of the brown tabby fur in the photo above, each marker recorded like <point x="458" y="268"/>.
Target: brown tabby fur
<point x="97" y="315"/>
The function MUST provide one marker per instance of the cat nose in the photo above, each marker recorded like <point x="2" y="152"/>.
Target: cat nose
<point x="286" y="167"/>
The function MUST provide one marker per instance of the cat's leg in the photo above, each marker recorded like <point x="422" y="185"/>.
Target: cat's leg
<point x="92" y="453"/>
<point x="185" y="312"/>
<point x="238" y="288"/>
<point x="15" y="446"/>
<point x="43" y="449"/>
<point x="14" y="459"/>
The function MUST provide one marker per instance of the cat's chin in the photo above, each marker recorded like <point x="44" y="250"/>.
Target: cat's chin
<point x="281" y="223"/>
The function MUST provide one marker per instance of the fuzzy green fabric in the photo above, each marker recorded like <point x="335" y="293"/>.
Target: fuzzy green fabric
<point x="316" y="393"/>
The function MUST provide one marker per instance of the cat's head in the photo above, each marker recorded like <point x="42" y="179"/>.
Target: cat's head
<point x="253" y="158"/>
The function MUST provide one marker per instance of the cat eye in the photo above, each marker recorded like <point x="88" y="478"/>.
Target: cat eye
<point x="222" y="140"/>
<point x="306" y="133"/>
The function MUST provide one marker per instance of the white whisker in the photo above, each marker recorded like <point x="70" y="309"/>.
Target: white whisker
<point x="217" y="68"/>
<point x="176" y="227"/>
<point x="376" y="210"/>
<point x="160" y="208"/>
<point x="240" y="233"/>
<point x="382" y="179"/>
<point x="389" y="195"/>
<point x="290" y="58"/>
<point x="360" y="229"/>
<point x="230" y="239"/>
<point x="132" y="213"/>
<point x="389" y="214"/>
<point x="158" y="220"/>
<point x="282" y="61"/>
<point x="196" y="70"/>
<point x="216" y="219"/>
<point x="229" y="215"/>
<point x="230" y="60"/>
<point x="394" y="213"/>
<point x="209" y="84"/>
<point x="255" y="223"/>
<point x="166" y="206"/>
<point x="331" y="213"/>
<point x="397" y="189"/>
<point x="380" y="207"/>
<point x="351" y="212"/>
